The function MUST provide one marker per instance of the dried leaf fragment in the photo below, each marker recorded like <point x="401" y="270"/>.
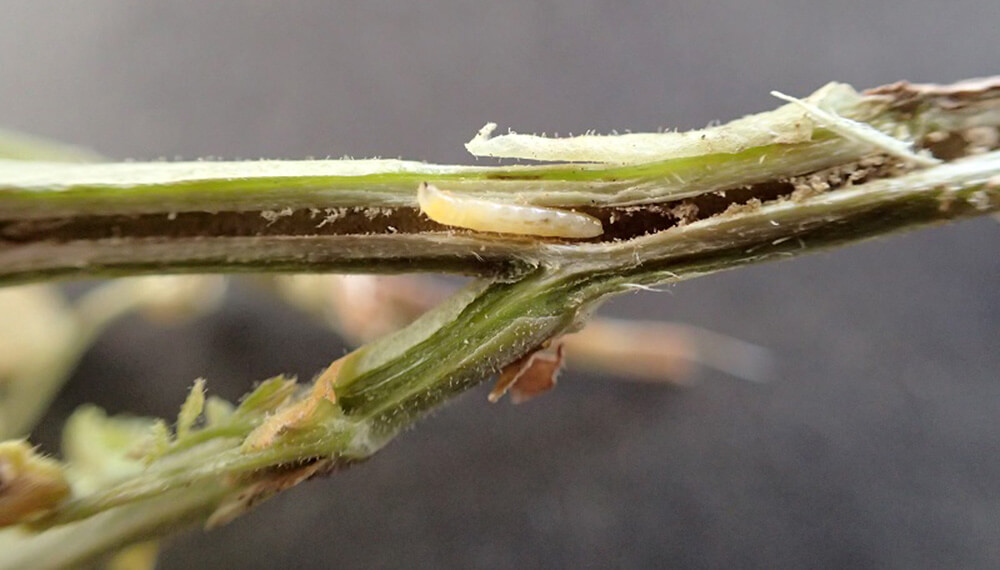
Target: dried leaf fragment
<point x="298" y="414"/>
<point x="530" y="376"/>
<point x="955" y="95"/>
<point x="30" y="484"/>
<point x="269" y="484"/>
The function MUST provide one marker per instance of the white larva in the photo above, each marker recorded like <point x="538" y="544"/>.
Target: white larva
<point x="485" y="216"/>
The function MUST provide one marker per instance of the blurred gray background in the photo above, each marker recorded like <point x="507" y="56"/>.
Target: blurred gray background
<point x="875" y="446"/>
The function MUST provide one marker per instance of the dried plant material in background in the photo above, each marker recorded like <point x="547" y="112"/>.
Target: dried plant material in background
<point x="665" y="352"/>
<point x="39" y="345"/>
<point x="362" y="308"/>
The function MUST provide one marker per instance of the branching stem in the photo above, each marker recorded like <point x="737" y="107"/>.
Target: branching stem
<point x="802" y="190"/>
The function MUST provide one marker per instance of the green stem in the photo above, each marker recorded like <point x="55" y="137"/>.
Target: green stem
<point x="386" y="386"/>
<point x="59" y="227"/>
<point x="60" y="220"/>
<point x="78" y="544"/>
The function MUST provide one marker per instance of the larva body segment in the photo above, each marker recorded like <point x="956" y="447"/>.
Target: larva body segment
<point x="485" y="216"/>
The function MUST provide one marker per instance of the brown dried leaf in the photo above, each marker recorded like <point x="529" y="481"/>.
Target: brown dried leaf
<point x="904" y="93"/>
<point x="297" y="414"/>
<point x="530" y="376"/>
<point x="30" y="484"/>
<point x="268" y="484"/>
